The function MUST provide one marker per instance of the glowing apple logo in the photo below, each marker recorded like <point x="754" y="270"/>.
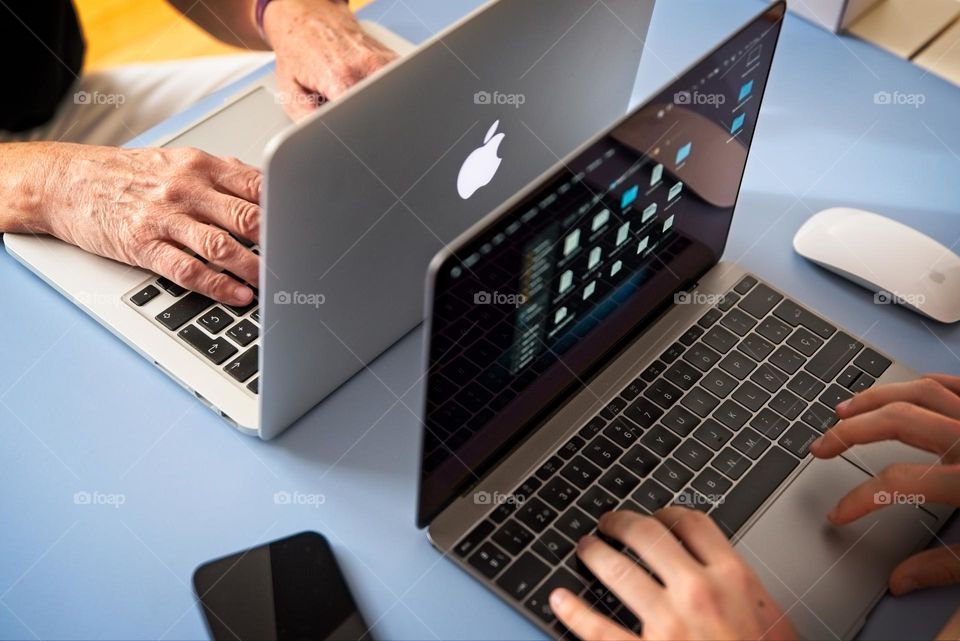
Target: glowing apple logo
<point x="481" y="166"/>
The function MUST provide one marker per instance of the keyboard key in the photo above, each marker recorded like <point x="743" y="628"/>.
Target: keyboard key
<point x="756" y="346"/>
<point x="653" y="371"/>
<point x="244" y="366"/>
<point x="834" y="395"/>
<point x="549" y="468"/>
<point x="719" y="382"/>
<point x="640" y="460"/>
<point x="793" y="314"/>
<point x="699" y="401"/>
<point x="552" y="546"/>
<point x="759" y="483"/>
<point x="539" y="603"/>
<point x="580" y="472"/>
<point x="712" y="434"/>
<point x="711" y="483"/>
<point x="592" y="428"/>
<point x="643" y="412"/>
<point x="489" y="560"/>
<point x="872" y="362"/>
<point x="660" y="440"/>
<point x="787" y="359"/>
<point x="601" y="451"/>
<point x="571" y="447"/>
<point x="731" y="463"/>
<point x="619" y="482"/>
<point x="185" y="309"/>
<point x="819" y="417"/>
<point x="738" y="365"/>
<point x="693" y="500"/>
<point x="503" y="512"/>
<point x="559" y="493"/>
<point x="215" y="320"/>
<point x="535" y="514"/>
<point x="256" y="315"/>
<point x="788" y="404"/>
<point x="804" y="341"/>
<point x="750" y="443"/>
<point x="244" y="332"/>
<point x="254" y="386"/>
<point x="652" y="496"/>
<point x="773" y="329"/>
<point x="574" y="524"/>
<point x="710" y="318"/>
<point x="720" y="339"/>
<point x="805" y="385"/>
<point x="732" y="414"/>
<point x="865" y="381"/>
<point x="797" y="439"/>
<point x="760" y="301"/>
<point x="663" y="393"/>
<point x="622" y="432"/>
<point x="527" y="488"/>
<point x="171" y="287"/>
<point x="601" y="598"/>
<point x="701" y="357"/>
<point x="673" y="353"/>
<point x="242" y="309"/>
<point x="472" y="540"/>
<point x="680" y="421"/>
<point x="512" y="537"/>
<point x="769" y="378"/>
<point x="729" y="300"/>
<point x="833" y="357"/>
<point x="633" y="390"/>
<point x="691" y="335"/>
<point x="769" y="423"/>
<point x="848" y="377"/>
<point x="214" y="350"/>
<point x="580" y="569"/>
<point x="738" y="321"/>
<point x="745" y="284"/>
<point x="595" y="501"/>
<point x="693" y="454"/>
<point x="145" y="295"/>
<point x="613" y="408"/>
<point x="682" y="375"/>
<point x="672" y="474"/>
<point x="751" y="396"/>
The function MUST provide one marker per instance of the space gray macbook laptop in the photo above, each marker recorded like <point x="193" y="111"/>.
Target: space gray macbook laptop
<point x="360" y="196"/>
<point x="588" y="351"/>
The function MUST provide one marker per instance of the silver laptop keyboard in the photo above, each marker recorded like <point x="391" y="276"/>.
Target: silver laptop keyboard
<point x="716" y="423"/>
<point x="225" y="337"/>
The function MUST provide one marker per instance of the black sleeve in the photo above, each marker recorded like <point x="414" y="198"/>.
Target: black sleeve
<point x="42" y="48"/>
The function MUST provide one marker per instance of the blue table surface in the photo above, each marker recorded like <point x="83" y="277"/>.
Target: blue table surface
<point x="80" y="412"/>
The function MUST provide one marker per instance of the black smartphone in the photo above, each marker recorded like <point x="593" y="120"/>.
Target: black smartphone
<point x="287" y="589"/>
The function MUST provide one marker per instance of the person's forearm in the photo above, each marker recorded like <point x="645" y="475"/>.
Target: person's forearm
<point x="232" y="21"/>
<point x="26" y="177"/>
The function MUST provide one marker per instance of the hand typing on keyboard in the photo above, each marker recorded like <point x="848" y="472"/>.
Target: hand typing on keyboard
<point x="706" y="591"/>
<point x="924" y="413"/>
<point x="141" y="207"/>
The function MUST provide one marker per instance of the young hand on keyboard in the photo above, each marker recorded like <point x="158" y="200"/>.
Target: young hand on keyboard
<point x="707" y="590"/>
<point x="924" y="413"/>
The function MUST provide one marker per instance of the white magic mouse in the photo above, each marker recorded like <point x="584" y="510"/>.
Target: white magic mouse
<point x="897" y="262"/>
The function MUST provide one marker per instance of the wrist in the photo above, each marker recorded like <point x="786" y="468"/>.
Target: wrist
<point x="28" y="180"/>
<point x="271" y="16"/>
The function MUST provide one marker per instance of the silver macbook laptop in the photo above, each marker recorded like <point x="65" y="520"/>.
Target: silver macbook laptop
<point x="588" y="352"/>
<point x="360" y="196"/>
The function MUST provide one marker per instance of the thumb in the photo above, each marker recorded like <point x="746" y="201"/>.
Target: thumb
<point x="939" y="566"/>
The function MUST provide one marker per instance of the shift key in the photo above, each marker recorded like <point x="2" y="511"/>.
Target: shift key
<point x="834" y="356"/>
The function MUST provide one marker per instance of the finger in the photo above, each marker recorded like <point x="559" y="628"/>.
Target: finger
<point x="236" y="215"/>
<point x="698" y="532"/>
<point x="583" y="620"/>
<point x="927" y="569"/>
<point x="236" y="178"/>
<point x="924" y="392"/>
<point x="621" y="574"/>
<point x="952" y="383"/>
<point x="185" y="270"/>
<point x="216" y="245"/>
<point x="652" y="542"/>
<point x="895" y="485"/>
<point x="298" y="101"/>
<point x="904" y="422"/>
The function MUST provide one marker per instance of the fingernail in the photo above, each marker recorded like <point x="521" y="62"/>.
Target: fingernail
<point x="816" y="445"/>
<point x="832" y="514"/>
<point x="842" y="407"/>
<point x="586" y="541"/>
<point x="243" y="293"/>
<point x="908" y="585"/>
<point x="557" y="597"/>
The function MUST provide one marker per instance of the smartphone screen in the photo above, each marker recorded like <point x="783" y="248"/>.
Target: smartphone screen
<point x="288" y="589"/>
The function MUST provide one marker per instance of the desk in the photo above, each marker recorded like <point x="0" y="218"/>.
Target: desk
<point x="80" y="412"/>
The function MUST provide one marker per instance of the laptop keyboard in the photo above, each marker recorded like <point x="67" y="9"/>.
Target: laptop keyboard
<point x="224" y="336"/>
<point x="716" y="423"/>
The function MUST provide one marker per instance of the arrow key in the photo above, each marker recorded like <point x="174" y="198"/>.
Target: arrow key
<point x="215" y="350"/>
<point x="245" y="365"/>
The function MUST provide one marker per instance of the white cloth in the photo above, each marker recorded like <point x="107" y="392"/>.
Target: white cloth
<point x="112" y="106"/>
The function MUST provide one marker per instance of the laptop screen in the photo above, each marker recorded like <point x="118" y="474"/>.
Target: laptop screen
<point x="533" y="304"/>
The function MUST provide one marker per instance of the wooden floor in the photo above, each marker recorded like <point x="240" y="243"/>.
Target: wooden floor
<point x="123" y="31"/>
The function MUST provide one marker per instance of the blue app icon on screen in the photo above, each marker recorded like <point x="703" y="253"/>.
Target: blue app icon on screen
<point x="684" y="152"/>
<point x="629" y="197"/>
<point x="738" y="123"/>
<point x="746" y="90"/>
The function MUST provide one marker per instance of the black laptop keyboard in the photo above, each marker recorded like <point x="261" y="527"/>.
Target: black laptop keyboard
<point x="716" y="423"/>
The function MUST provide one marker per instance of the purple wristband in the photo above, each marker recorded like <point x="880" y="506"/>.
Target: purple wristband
<point x="261" y="8"/>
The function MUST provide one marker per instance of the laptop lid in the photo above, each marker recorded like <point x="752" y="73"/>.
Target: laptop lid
<point x="362" y="196"/>
<point x="539" y="295"/>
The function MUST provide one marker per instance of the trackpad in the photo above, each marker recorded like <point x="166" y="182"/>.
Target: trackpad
<point x="824" y="577"/>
